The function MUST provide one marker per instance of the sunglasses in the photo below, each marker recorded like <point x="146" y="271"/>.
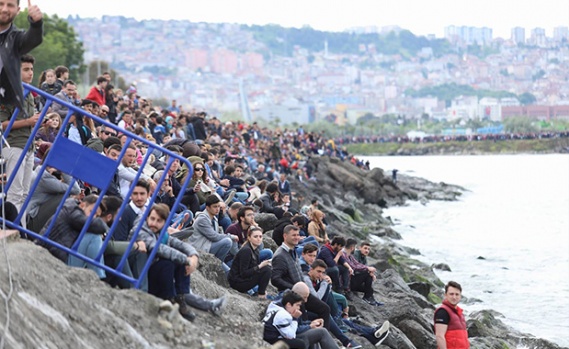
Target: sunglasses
<point x="198" y="169"/>
<point x="110" y="133"/>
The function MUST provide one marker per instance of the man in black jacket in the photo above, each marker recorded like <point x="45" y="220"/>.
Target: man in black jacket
<point x="286" y="272"/>
<point x="14" y="43"/>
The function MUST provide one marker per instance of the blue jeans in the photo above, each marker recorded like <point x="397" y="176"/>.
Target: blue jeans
<point x="242" y="196"/>
<point x="220" y="249"/>
<point x="191" y="134"/>
<point x="364" y="331"/>
<point x="89" y="246"/>
<point x="166" y="279"/>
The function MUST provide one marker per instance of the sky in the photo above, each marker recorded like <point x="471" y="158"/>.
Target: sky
<point x="422" y="17"/>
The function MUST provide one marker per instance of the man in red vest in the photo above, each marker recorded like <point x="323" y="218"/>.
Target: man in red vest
<point x="450" y="325"/>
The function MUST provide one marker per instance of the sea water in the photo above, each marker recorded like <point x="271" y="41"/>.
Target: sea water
<point x="506" y="239"/>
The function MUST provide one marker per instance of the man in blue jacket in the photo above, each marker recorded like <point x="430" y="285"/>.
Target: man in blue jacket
<point x="331" y="253"/>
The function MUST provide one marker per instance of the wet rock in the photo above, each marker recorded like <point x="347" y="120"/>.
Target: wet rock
<point x="485" y="328"/>
<point x="417" y="334"/>
<point x="422" y="288"/>
<point x="441" y="266"/>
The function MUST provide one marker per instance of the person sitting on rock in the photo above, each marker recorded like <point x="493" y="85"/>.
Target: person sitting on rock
<point x="363" y="276"/>
<point x="271" y="200"/>
<point x="331" y="253"/>
<point x="245" y="221"/>
<point x="362" y="252"/>
<point x="287" y="272"/>
<point x="320" y="286"/>
<point x="169" y="274"/>
<point x="206" y="236"/>
<point x="281" y="324"/>
<point x="247" y="270"/>
<point x="302" y="289"/>
<point x="317" y="228"/>
<point x="68" y="225"/>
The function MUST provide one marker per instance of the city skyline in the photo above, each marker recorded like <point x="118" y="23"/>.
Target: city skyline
<point x="420" y="17"/>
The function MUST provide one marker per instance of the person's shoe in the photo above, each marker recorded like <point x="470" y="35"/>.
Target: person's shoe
<point x="229" y="195"/>
<point x="217" y="306"/>
<point x="382" y="333"/>
<point x="349" y="295"/>
<point x="372" y="301"/>
<point x="353" y="345"/>
<point x="183" y="308"/>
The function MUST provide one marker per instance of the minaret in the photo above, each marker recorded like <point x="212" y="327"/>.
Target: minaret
<point x="325" y="48"/>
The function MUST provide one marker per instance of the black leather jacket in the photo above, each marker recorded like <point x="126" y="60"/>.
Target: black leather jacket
<point x="13" y="44"/>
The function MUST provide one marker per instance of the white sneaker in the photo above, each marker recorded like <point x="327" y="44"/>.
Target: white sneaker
<point x="382" y="333"/>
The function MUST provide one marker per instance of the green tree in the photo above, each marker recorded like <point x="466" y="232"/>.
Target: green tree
<point x="60" y="46"/>
<point x="519" y="124"/>
<point x="527" y="98"/>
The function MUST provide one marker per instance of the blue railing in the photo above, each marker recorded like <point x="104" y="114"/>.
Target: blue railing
<point x="91" y="167"/>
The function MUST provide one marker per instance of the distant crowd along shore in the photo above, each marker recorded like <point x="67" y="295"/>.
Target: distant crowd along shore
<point x="451" y="138"/>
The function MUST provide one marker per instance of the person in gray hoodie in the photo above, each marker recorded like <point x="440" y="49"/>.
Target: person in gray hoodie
<point x="206" y="236"/>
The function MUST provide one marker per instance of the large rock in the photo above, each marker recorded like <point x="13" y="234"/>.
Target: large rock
<point x="485" y="324"/>
<point x="266" y="221"/>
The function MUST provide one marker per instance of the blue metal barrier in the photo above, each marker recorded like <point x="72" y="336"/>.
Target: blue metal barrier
<point x="91" y="167"/>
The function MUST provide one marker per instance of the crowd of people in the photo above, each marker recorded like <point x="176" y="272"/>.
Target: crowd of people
<point x="452" y="138"/>
<point x="237" y="171"/>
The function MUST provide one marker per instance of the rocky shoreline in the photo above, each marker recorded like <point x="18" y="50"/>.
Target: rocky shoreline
<point x="54" y="306"/>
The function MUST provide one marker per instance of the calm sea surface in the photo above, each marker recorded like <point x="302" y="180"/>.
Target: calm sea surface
<point x="515" y="215"/>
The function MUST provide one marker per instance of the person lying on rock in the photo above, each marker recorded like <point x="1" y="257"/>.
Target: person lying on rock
<point x="169" y="274"/>
<point x="281" y="324"/>
<point x="363" y="276"/>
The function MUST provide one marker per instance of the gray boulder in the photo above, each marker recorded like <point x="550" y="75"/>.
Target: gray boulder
<point x="266" y="221"/>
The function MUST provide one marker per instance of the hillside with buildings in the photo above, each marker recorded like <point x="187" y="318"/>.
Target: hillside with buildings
<point x="296" y="80"/>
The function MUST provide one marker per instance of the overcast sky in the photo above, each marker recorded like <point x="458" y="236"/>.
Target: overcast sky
<point x="422" y="17"/>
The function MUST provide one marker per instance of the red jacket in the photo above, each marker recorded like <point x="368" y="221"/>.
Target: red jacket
<point x="96" y="95"/>
<point x="456" y="335"/>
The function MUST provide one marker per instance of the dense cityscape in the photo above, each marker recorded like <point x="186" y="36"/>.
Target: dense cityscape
<point x="214" y="66"/>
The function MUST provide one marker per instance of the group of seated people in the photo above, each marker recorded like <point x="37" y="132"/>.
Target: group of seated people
<point x="221" y="224"/>
<point x="230" y="180"/>
<point x="309" y="279"/>
<point x="251" y="267"/>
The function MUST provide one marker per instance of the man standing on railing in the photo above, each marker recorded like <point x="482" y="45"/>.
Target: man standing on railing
<point x="13" y="44"/>
<point x="17" y="139"/>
